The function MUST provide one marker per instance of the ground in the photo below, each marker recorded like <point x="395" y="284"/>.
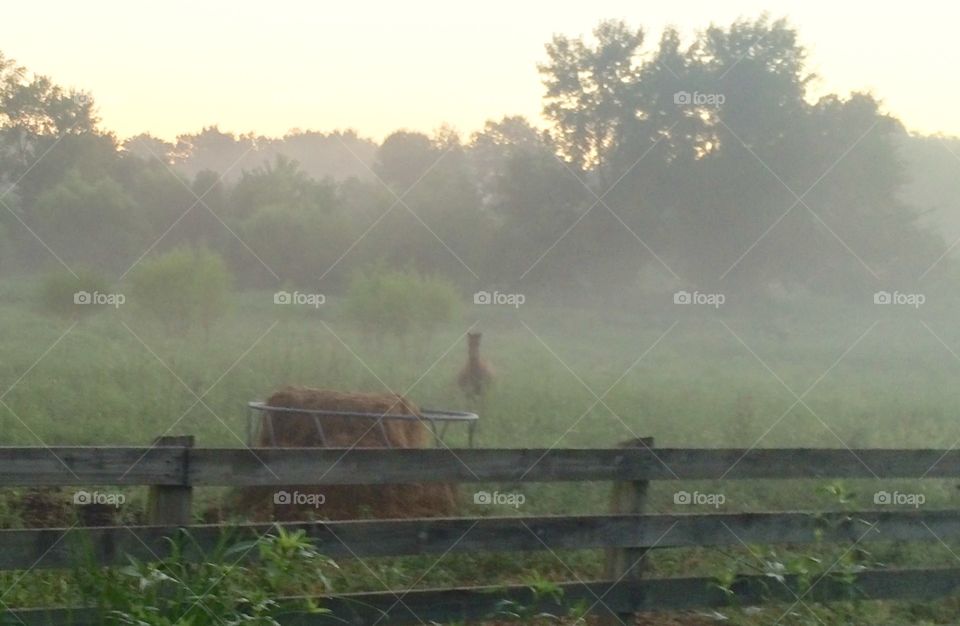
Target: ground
<point x="567" y="376"/>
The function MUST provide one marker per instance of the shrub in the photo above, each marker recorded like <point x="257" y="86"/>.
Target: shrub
<point x="398" y="302"/>
<point x="296" y="243"/>
<point x="164" y="592"/>
<point x="182" y="288"/>
<point x="70" y="296"/>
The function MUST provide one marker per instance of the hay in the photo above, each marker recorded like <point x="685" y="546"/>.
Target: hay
<point x="53" y="507"/>
<point x="287" y="429"/>
<point x="300" y="429"/>
<point x="46" y="507"/>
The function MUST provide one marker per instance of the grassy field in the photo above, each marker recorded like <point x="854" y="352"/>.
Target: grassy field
<point x="696" y="377"/>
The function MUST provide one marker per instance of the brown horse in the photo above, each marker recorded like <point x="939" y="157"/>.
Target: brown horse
<point x="475" y="377"/>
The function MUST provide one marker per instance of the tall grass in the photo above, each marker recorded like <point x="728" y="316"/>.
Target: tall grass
<point x="713" y="378"/>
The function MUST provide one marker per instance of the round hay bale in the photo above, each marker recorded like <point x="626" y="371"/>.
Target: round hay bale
<point x="294" y="430"/>
<point x="285" y="429"/>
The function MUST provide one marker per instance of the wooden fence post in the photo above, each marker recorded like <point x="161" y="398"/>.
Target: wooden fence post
<point x="171" y="505"/>
<point x="627" y="564"/>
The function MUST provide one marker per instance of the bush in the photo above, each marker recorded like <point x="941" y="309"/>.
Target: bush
<point x="296" y="243"/>
<point x="164" y="591"/>
<point x="397" y="302"/>
<point x="71" y="296"/>
<point x="182" y="288"/>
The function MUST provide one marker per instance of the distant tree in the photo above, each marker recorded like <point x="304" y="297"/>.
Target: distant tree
<point x="758" y="67"/>
<point x="215" y="150"/>
<point x="299" y="244"/>
<point x="36" y="114"/>
<point x="404" y="157"/>
<point x="436" y="219"/>
<point x="699" y="151"/>
<point x="293" y="223"/>
<point x="591" y="91"/>
<point x="148" y="147"/>
<point x="491" y="148"/>
<point x="35" y="106"/>
<point x="91" y="222"/>
<point x="530" y="194"/>
<point x="281" y="182"/>
<point x="338" y="155"/>
<point x="687" y="159"/>
<point x="931" y="183"/>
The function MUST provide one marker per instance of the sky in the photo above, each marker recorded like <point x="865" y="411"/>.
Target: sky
<point x="269" y="67"/>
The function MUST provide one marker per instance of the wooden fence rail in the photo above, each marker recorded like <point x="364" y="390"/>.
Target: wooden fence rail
<point x="173" y="468"/>
<point x="184" y="466"/>
<point x="52" y="548"/>
<point x="607" y="598"/>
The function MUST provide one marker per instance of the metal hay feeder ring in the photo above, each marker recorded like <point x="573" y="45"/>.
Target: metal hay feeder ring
<point x="432" y="416"/>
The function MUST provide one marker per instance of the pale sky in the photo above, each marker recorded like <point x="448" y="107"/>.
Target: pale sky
<point x="267" y="67"/>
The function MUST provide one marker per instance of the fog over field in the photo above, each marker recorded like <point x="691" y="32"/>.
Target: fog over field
<point x="693" y="233"/>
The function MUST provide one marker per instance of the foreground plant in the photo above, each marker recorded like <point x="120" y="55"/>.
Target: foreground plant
<point x="217" y="590"/>
<point x="542" y="591"/>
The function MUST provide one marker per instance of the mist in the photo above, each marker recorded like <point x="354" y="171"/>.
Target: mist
<point x="693" y="242"/>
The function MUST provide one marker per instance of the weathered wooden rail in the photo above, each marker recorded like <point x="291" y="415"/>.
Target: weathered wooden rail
<point x="198" y="467"/>
<point x="173" y="468"/>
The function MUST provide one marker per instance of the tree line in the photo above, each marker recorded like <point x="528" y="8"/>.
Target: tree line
<point x="705" y="164"/>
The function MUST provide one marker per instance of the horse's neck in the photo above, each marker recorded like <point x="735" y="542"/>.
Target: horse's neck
<point x="473" y="359"/>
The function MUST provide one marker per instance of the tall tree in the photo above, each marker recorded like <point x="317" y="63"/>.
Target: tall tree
<point x="591" y="92"/>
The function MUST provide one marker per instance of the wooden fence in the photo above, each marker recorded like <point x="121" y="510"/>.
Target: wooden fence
<point x="173" y="467"/>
